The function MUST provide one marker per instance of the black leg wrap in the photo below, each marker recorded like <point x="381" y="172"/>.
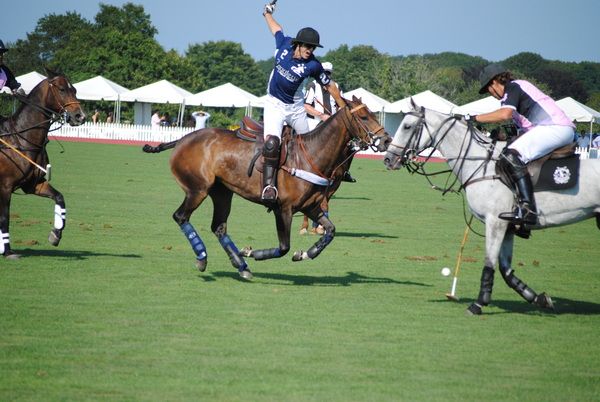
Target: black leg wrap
<point x="266" y="254"/>
<point x="319" y="246"/>
<point x="521" y="288"/>
<point x="487" y="284"/>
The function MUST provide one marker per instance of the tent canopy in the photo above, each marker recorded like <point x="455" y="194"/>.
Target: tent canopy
<point x="226" y="95"/>
<point x="99" y="88"/>
<point x="373" y="102"/>
<point x="158" y="92"/>
<point x="578" y="112"/>
<point x="28" y="81"/>
<point x="426" y="99"/>
<point x="485" y="105"/>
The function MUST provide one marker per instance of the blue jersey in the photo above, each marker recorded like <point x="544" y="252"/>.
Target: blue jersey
<point x="288" y="74"/>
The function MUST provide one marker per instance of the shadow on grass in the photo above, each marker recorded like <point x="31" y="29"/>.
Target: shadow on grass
<point x="561" y="307"/>
<point x="350" y="278"/>
<point x="350" y="234"/>
<point x="70" y="254"/>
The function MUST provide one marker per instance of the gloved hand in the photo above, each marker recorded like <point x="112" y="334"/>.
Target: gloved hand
<point x="269" y="8"/>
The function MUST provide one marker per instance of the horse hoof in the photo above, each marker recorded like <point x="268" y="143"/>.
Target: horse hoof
<point x="303" y="231"/>
<point x="53" y="238"/>
<point x="245" y="252"/>
<point x="300" y="255"/>
<point x="473" y="309"/>
<point x="201" y="264"/>
<point x="313" y="231"/>
<point x="246" y="274"/>
<point x="544" y="301"/>
<point x="12" y="256"/>
<point x="320" y="230"/>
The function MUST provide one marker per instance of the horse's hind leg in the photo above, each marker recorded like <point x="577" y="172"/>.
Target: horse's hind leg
<point x="45" y="189"/>
<point x="182" y="216"/>
<point x="221" y="198"/>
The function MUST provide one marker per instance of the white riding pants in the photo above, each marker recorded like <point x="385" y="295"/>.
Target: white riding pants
<point x="541" y="140"/>
<point x="277" y="113"/>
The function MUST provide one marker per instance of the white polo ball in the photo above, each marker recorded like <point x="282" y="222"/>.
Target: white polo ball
<point x="446" y="271"/>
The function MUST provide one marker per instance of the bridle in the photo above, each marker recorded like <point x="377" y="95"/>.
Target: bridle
<point x="62" y="115"/>
<point x="356" y="142"/>
<point x="408" y="155"/>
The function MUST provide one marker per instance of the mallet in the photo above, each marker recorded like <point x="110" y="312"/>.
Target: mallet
<point x="451" y="295"/>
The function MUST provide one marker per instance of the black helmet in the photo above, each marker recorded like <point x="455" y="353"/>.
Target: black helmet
<point x="487" y="74"/>
<point x="2" y="47"/>
<point x="308" y="36"/>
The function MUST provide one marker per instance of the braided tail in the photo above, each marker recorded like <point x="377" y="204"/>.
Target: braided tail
<point x="159" y="148"/>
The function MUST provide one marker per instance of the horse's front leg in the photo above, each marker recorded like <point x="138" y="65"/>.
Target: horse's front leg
<point x="5" y="249"/>
<point x="329" y="233"/>
<point x="45" y="189"/>
<point x="495" y="240"/>
<point x="542" y="299"/>
<point x="283" y="221"/>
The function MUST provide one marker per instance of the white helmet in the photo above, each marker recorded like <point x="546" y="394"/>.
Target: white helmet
<point x="327" y="66"/>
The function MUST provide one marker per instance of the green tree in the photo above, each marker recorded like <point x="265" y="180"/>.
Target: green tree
<point x="222" y="62"/>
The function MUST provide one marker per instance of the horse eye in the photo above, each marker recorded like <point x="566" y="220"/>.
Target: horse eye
<point x="407" y="126"/>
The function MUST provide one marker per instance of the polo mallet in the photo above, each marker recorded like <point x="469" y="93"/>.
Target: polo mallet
<point x="451" y="295"/>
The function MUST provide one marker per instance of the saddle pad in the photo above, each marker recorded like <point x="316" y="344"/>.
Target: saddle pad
<point x="558" y="174"/>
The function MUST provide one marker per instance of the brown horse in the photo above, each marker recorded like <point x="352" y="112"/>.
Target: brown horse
<point x="215" y="162"/>
<point x="23" y="156"/>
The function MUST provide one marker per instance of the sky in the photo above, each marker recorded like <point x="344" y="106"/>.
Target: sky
<point x="495" y="30"/>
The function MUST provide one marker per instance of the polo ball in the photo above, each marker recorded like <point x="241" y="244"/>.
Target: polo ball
<point x="445" y="271"/>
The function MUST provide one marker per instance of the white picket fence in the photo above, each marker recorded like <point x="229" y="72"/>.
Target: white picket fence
<point x="122" y="132"/>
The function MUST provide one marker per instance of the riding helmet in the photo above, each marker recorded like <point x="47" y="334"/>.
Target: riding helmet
<point x="2" y="47"/>
<point x="308" y="36"/>
<point x="487" y="74"/>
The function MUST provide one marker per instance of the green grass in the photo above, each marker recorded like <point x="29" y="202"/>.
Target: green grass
<point x="119" y="312"/>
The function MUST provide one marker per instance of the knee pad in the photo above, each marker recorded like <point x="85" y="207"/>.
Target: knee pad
<point x="271" y="148"/>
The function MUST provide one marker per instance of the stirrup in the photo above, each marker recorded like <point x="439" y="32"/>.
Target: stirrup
<point x="269" y="195"/>
<point x="520" y="215"/>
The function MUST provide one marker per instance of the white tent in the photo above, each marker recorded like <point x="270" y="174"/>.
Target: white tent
<point x="485" y="105"/>
<point x="226" y="95"/>
<point x="100" y="88"/>
<point x="158" y="92"/>
<point x="28" y="81"/>
<point x="373" y="102"/>
<point x="426" y="99"/>
<point x="578" y="112"/>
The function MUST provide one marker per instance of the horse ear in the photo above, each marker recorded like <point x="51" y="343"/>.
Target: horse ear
<point x="355" y="99"/>
<point x="413" y="104"/>
<point x="50" y="73"/>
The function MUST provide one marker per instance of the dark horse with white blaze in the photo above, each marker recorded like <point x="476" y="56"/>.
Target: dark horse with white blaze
<point x="215" y="162"/>
<point x="472" y="158"/>
<point x="23" y="156"/>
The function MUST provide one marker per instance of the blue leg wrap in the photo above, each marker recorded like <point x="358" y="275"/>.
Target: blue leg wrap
<point x="266" y="254"/>
<point x="232" y="251"/>
<point x="195" y="240"/>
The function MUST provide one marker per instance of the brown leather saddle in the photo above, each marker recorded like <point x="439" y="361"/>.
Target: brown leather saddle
<point x="251" y="130"/>
<point x="558" y="170"/>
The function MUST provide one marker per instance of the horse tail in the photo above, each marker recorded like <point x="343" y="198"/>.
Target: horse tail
<point x="160" y="147"/>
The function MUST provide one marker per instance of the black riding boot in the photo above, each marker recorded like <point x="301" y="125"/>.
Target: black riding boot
<point x="526" y="212"/>
<point x="348" y="178"/>
<point x="270" y="162"/>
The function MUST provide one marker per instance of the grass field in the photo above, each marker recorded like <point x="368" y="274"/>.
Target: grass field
<point x="119" y="312"/>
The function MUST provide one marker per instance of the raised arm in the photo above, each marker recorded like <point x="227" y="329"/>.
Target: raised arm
<point x="273" y="25"/>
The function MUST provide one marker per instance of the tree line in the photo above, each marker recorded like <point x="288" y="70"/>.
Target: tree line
<point x="120" y="45"/>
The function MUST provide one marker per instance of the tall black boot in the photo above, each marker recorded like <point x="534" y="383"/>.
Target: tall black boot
<point x="526" y="211"/>
<point x="270" y="162"/>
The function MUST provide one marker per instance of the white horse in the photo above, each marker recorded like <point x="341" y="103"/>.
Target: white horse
<point x="472" y="158"/>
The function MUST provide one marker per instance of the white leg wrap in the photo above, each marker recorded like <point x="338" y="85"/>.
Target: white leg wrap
<point x="60" y="215"/>
<point x="3" y="241"/>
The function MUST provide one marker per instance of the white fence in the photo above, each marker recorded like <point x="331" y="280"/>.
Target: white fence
<point x="123" y="132"/>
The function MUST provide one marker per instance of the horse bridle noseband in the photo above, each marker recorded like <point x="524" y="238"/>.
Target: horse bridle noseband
<point x="373" y="137"/>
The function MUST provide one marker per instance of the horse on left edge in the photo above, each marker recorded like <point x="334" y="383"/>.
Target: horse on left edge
<point x="23" y="139"/>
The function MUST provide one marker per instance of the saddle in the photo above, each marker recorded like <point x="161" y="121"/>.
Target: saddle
<point x="558" y="170"/>
<point x="251" y="130"/>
